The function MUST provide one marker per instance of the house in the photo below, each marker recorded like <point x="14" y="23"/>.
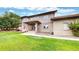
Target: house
<point x="48" y="23"/>
<point x="38" y="23"/>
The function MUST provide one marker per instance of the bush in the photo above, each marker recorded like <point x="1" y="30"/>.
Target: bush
<point x="75" y="33"/>
<point x="75" y="28"/>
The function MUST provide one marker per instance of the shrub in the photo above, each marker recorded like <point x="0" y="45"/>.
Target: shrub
<point x="75" y="28"/>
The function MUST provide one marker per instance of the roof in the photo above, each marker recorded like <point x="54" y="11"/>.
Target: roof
<point x="50" y="12"/>
<point x="33" y="22"/>
<point x="66" y="17"/>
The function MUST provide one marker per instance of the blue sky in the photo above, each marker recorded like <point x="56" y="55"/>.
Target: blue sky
<point x="26" y="11"/>
<point x="31" y="7"/>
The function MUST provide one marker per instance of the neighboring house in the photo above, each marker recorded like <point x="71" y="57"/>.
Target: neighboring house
<point x="48" y="23"/>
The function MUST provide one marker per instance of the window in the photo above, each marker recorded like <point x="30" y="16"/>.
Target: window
<point x="66" y="27"/>
<point x="45" y="26"/>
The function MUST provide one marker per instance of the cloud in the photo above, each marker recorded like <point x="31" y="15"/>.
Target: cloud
<point x="51" y="9"/>
<point x="31" y="8"/>
<point x="65" y="11"/>
<point x="11" y="11"/>
<point x="26" y="14"/>
<point x="47" y="8"/>
<point x="42" y="8"/>
<point x="30" y="14"/>
<point x="38" y="10"/>
<point x="61" y="10"/>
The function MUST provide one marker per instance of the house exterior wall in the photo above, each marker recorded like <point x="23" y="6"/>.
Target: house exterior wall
<point x="58" y="27"/>
<point x="44" y="19"/>
<point x="48" y="30"/>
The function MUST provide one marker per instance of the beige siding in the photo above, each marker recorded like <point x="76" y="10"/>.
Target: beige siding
<point x="44" y="19"/>
<point x="58" y="27"/>
<point x="49" y="29"/>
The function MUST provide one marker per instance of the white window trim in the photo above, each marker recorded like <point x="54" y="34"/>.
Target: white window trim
<point x="66" y="28"/>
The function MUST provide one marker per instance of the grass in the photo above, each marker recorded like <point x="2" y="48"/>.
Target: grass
<point x="14" y="41"/>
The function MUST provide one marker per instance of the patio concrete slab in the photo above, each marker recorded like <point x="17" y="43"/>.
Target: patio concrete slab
<point x="53" y="36"/>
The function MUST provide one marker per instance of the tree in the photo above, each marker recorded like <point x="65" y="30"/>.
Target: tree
<point x="9" y="21"/>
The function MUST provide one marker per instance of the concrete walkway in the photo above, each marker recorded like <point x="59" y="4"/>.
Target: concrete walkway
<point x="52" y="36"/>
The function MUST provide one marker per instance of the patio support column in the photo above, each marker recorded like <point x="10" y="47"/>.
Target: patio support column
<point x="36" y="27"/>
<point x="52" y="28"/>
<point x="26" y="27"/>
<point x="22" y="29"/>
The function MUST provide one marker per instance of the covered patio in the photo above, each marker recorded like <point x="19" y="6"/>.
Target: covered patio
<point x="32" y="26"/>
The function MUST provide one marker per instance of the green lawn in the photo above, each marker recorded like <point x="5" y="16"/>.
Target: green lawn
<point x="14" y="41"/>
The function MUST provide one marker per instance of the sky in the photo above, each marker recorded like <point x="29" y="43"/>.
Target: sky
<point x="27" y="11"/>
<point x="31" y="7"/>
